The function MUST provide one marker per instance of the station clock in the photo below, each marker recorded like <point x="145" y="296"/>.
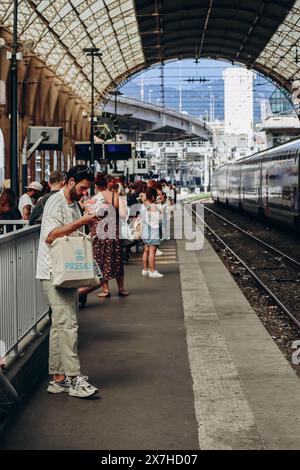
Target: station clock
<point x="107" y="126"/>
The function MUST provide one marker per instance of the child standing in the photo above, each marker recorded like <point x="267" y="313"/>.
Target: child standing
<point x="150" y="215"/>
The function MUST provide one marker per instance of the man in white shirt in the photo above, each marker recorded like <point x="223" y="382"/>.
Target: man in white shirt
<point x="27" y="200"/>
<point x="62" y="217"/>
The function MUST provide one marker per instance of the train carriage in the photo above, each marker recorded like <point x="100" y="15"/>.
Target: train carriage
<point x="250" y="173"/>
<point x="234" y="185"/>
<point x="265" y="183"/>
<point x="219" y="184"/>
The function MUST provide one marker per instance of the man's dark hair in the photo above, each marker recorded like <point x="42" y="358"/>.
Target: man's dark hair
<point x="55" y="177"/>
<point x="79" y="173"/>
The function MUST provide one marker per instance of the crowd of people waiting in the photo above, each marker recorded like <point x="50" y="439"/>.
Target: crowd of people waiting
<point x="64" y="206"/>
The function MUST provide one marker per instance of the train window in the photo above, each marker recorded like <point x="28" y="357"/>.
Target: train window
<point x="286" y="193"/>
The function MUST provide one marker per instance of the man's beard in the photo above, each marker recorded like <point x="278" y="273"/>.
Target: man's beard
<point x="73" y="194"/>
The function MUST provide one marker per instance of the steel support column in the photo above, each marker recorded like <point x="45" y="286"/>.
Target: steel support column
<point x="14" y="154"/>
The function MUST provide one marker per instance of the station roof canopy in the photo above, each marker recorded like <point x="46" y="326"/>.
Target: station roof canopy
<point x="135" y="34"/>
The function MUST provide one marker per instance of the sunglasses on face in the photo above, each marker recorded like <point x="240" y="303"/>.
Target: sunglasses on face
<point x="87" y="170"/>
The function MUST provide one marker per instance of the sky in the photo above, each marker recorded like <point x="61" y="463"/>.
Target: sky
<point x="195" y="97"/>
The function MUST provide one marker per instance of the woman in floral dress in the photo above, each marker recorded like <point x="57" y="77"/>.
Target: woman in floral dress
<point x="105" y="232"/>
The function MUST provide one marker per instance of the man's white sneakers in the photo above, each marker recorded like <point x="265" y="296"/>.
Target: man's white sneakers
<point x="76" y="387"/>
<point x="145" y="272"/>
<point x="81" y="388"/>
<point x="59" y="387"/>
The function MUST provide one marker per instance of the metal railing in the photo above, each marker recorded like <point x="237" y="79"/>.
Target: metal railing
<point x="22" y="301"/>
<point x="8" y="226"/>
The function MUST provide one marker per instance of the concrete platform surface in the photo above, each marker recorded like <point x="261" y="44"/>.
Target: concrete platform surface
<point x="135" y="350"/>
<point x="232" y="355"/>
<point x="182" y="363"/>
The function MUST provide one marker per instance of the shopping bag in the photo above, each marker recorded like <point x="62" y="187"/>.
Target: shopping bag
<point x="73" y="263"/>
<point x="137" y="228"/>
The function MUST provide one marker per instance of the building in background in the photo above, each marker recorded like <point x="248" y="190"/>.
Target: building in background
<point x="238" y="102"/>
<point x="279" y="122"/>
<point x="279" y="103"/>
<point x="265" y="109"/>
<point x="280" y="129"/>
<point x="185" y="163"/>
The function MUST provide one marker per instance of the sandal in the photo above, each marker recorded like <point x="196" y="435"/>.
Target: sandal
<point x="123" y="293"/>
<point x="104" y="294"/>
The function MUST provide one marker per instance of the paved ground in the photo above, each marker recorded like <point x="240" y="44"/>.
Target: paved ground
<point x="246" y="393"/>
<point x="135" y="350"/>
<point x="183" y="363"/>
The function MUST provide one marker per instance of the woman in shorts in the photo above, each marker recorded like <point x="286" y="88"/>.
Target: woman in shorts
<point x="150" y="215"/>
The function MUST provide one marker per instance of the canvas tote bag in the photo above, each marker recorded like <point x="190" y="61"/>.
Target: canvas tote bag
<point x="73" y="263"/>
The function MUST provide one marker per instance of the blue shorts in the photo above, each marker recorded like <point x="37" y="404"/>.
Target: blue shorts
<point x="151" y="242"/>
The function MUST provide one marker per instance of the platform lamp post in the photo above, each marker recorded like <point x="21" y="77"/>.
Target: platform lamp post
<point x="14" y="154"/>
<point x="135" y="129"/>
<point x="116" y="93"/>
<point x="92" y="52"/>
<point x="128" y="124"/>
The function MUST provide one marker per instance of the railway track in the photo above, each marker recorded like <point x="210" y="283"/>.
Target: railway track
<point x="277" y="273"/>
<point x="284" y="256"/>
<point x="277" y="235"/>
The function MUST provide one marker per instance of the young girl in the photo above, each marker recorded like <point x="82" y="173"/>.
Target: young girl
<point x="150" y="215"/>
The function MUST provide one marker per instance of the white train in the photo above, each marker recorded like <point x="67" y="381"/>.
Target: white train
<point x="266" y="183"/>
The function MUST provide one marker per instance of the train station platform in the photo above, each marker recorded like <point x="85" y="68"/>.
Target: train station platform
<point x="182" y="363"/>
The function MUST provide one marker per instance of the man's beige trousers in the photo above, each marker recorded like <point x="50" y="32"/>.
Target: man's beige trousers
<point x="63" y="341"/>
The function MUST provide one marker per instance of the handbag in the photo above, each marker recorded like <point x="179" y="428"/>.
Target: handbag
<point x="72" y="262"/>
<point x="137" y="228"/>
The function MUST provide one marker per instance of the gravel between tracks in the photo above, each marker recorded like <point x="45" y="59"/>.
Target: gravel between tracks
<point x="283" y="281"/>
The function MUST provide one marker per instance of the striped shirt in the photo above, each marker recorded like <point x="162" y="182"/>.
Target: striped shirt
<point x="57" y="213"/>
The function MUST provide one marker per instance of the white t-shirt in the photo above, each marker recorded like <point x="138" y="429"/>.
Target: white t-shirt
<point x="57" y="213"/>
<point x="25" y="200"/>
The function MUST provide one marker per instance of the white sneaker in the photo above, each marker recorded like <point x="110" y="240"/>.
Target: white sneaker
<point x="80" y="388"/>
<point x="155" y="274"/>
<point x="59" y="387"/>
<point x="159" y="253"/>
<point x="145" y="272"/>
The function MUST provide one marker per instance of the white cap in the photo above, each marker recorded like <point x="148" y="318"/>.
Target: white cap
<point x="6" y="184"/>
<point x="35" y="185"/>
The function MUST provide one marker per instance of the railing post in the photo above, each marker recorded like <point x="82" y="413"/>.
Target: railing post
<point x="15" y="300"/>
<point x="34" y="287"/>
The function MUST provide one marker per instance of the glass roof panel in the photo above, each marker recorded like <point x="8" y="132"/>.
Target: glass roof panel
<point x="61" y="29"/>
<point x="43" y="5"/>
<point x="280" y="54"/>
